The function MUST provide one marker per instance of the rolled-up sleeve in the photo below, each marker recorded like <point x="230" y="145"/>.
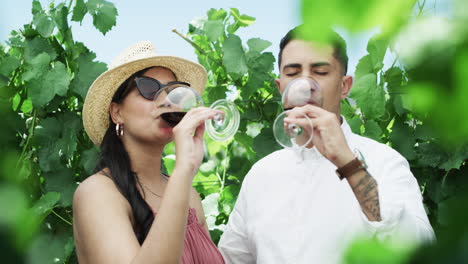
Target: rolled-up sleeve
<point x="401" y="206"/>
<point x="234" y="244"/>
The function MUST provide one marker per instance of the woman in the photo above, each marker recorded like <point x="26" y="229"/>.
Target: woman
<point x="129" y="212"/>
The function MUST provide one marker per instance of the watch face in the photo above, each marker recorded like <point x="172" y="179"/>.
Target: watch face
<point x="360" y="157"/>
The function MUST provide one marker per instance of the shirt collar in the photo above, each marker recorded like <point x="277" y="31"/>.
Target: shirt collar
<point x="346" y="128"/>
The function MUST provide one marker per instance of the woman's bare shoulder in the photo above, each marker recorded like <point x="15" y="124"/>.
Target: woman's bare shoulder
<point x="98" y="189"/>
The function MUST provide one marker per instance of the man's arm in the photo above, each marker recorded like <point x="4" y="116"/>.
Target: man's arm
<point x="394" y="205"/>
<point x="366" y="190"/>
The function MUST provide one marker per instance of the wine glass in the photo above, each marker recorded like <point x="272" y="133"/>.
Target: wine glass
<point x="178" y="99"/>
<point x="299" y="92"/>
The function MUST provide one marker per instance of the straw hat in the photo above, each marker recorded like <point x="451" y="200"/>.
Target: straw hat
<point x="135" y="58"/>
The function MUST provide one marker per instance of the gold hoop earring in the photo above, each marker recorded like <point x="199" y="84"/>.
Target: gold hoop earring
<point x="119" y="130"/>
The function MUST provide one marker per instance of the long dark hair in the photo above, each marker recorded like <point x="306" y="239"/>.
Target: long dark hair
<point x="115" y="157"/>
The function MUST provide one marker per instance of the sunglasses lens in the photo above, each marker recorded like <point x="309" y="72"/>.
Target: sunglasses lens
<point x="147" y="87"/>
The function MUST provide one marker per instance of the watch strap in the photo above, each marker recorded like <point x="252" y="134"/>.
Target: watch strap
<point x="350" y="168"/>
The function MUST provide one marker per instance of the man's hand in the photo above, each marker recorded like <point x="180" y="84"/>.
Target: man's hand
<point x="328" y="137"/>
<point x="330" y="141"/>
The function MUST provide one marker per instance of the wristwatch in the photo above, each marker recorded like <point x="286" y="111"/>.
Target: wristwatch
<point x="353" y="166"/>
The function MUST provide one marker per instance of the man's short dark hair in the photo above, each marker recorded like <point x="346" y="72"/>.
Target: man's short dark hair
<point x="337" y="42"/>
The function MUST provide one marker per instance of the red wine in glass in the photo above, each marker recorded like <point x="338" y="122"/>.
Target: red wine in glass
<point x="173" y="118"/>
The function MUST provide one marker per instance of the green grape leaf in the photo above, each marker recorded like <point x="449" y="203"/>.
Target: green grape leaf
<point x="214" y="14"/>
<point x="372" y="250"/>
<point x="234" y="57"/>
<point x="36" y="7"/>
<point x="377" y="47"/>
<point x="429" y="155"/>
<point x="46" y="135"/>
<point x="369" y="96"/>
<point x="79" y="11"/>
<point x="89" y="159"/>
<point x="351" y="15"/>
<point x="347" y="110"/>
<point x="49" y="156"/>
<point x="72" y="125"/>
<point x="232" y="28"/>
<point x="37" y="67"/>
<point x="88" y="70"/>
<point x="239" y="166"/>
<point x="60" y="16"/>
<point x="398" y="105"/>
<point x="169" y="163"/>
<point x="45" y="204"/>
<point x="265" y="143"/>
<point x="48" y="129"/>
<point x="61" y="181"/>
<point x="3" y="81"/>
<point x="432" y="155"/>
<point x="44" y="24"/>
<point x="242" y="20"/>
<point x="372" y="130"/>
<point x="228" y="198"/>
<point x="213" y="93"/>
<point x="394" y="78"/>
<point x="14" y="201"/>
<point x="260" y="68"/>
<point x="104" y="14"/>
<point x="403" y="139"/>
<point x="355" y="124"/>
<point x="16" y="39"/>
<point x="213" y="29"/>
<point x="245" y="140"/>
<point x="256" y="80"/>
<point x="36" y="46"/>
<point x="258" y="44"/>
<point x="363" y="67"/>
<point x="55" y="82"/>
<point x="27" y="106"/>
<point x="455" y="158"/>
<point x="51" y="246"/>
<point x="8" y="64"/>
<point x="264" y="62"/>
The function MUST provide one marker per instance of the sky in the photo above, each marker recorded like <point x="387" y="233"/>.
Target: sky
<point x="154" y="20"/>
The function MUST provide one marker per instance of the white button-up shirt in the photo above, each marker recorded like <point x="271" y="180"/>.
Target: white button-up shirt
<point x="296" y="210"/>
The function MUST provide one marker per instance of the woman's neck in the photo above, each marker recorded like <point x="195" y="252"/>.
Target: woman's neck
<point x="146" y="161"/>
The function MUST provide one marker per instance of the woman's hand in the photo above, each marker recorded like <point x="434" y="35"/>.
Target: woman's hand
<point x="188" y="138"/>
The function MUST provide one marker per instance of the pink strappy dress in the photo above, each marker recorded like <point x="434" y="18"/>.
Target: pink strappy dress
<point x="198" y="246"/>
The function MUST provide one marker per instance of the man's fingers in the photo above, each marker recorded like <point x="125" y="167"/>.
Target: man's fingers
<point x="301" y="122"/>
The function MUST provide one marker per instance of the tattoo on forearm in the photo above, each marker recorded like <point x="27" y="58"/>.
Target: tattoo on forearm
<point x="367" y="194"/>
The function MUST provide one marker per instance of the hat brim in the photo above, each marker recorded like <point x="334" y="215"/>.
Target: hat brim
<point x="99" y="96"/>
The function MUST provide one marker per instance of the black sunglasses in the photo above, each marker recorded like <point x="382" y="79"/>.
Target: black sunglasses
<point x="148" y="87"/>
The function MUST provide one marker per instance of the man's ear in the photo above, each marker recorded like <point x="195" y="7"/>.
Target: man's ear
<point x="347" y="83"/>
<point x="115" y="113"/>
<point x="278" y="84"/>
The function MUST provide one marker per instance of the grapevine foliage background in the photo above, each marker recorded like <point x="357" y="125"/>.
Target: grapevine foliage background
<point x="415" y="105"/>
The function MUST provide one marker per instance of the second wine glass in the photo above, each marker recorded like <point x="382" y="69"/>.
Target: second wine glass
<point x="299" y="92"/>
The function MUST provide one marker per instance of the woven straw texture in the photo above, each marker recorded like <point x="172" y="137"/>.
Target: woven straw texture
<point x="137" y="57"/>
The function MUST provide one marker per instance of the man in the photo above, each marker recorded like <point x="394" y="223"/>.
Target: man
<point x="294" y="209"/>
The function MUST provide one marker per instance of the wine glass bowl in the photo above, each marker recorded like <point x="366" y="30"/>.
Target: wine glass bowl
<point x="299" y="92"/>
<point x="223" y="126"/>
<point x="177" y="100"/>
